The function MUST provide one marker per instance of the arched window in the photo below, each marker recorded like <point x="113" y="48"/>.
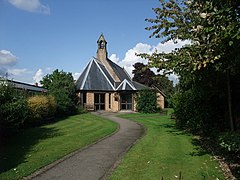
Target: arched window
<point x="101" y="44"/>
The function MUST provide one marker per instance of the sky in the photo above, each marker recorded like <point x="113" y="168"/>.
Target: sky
<point x="39" y="36"/>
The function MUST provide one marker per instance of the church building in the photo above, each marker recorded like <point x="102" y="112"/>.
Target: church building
<point x="104" y="85"/>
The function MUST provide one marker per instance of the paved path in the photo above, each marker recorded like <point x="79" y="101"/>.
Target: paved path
<point x="95" y="161"/>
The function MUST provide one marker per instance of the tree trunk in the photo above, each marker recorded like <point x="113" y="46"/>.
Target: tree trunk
<point x="229" y="101"/>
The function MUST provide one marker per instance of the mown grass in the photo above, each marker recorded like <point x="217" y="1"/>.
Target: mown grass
<point x="34" y="148"/>
<point x="165" y="152"/>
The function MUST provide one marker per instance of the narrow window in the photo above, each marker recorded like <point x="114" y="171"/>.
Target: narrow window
<point x="109" y="100"/>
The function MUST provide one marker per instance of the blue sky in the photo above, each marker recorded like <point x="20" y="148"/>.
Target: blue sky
<point x="38" y="36"/>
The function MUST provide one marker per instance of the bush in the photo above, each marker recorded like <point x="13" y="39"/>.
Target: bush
<point x="13" y="107"/>
<point x="80" y="110"/>
<point x="147" y="101"/>
<point x="41" y="107"/>
<point x="230" y="142"/>
<point x="65" y="106"/>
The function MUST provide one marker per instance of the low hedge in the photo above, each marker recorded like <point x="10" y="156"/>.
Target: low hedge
<point x="42" y="108"/>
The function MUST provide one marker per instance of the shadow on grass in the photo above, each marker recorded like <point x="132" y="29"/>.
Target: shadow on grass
<point x="14" y="149"/>
<point x="173" y="130"/>
<point x="198" y="150"/>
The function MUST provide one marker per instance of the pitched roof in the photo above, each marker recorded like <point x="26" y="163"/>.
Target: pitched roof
<point x="121" y="73"/>
<point x="126" y="85"/>
<point x="96" y="76"/>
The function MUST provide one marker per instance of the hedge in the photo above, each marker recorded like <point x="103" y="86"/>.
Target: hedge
<point x="42" y="108"/>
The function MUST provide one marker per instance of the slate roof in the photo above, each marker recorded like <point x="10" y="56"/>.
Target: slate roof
<point x="96" y="77"/>
<point x="121" y="73"/>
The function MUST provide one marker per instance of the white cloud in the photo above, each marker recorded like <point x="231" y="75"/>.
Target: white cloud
<point x="173" y="77"/>
<point x="114" y="58"/>
<point x="31" y="6"/>
<point x="130" y="57"/>
<point x="76" y="75"/>
<point x="38" y="76"/>
<point x="7" y="58"/>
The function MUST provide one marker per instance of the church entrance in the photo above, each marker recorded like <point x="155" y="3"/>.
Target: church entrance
<point x="99" y="101"/>
<point x="126" y="101"/>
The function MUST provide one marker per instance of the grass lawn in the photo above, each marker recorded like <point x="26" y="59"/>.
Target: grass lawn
<point x="165" y="151"/>
<point x="34" y="148"/>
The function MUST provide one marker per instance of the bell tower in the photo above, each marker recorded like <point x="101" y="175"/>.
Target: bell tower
<point x="102" y="56"/>
<point x="102" y="49"/>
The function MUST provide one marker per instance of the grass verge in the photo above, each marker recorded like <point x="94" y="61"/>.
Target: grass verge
<point x="34" y="148"/>
<point x="165" y="152"/>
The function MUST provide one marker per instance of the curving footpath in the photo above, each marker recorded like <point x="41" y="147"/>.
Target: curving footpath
<point x="96" y="161"/>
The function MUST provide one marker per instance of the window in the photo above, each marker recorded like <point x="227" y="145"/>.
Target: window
<point x="101" y="44"/>
<point x="126" y="101"/>
<point x="109" y="100"/>
<point x="99" y="101"/>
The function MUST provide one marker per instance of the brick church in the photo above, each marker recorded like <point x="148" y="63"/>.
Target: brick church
<point x="104" y="85"/>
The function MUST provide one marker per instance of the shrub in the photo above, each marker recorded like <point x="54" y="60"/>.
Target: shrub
<point x="80" y="110"/>
<point x="147" y="101"/>
<point x="41" y="107"/>
<point x="230" y="142"/>
<point x="65" y="106"/>
<point x="13" y="107"/>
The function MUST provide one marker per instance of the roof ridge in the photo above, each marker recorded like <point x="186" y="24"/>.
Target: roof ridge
<point x="104" y="73"/>
<point x="114" y="63"/>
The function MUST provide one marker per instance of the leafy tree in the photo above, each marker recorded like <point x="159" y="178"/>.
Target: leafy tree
<point x="211" y="57"/>
<point x="61" y="85"/>
<point x="13" y="107"/>
<point x="147" y="101"/>
<point x="143" y="74"/>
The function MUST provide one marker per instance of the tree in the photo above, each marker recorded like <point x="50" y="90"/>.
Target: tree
<point x="61" y="85"/>
<point x="211" y="58"/>
<point x="147" y="101"/>
<point x="143" y="74"/>
<point x="13" y="107"/>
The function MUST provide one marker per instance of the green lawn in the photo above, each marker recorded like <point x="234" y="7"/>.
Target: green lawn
<point x="31" y="149"/>
<point x="165" y="152"/>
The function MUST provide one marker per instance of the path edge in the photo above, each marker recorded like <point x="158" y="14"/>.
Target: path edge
<point x="53" y="164"/>
<point x="121" y="156"/>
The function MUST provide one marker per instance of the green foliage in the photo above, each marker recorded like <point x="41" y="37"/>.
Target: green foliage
<point x="61" y="85"/>
<point x="13" y="107"/>
<point x="230" y="142"/>
<point x="41" y="107"/>
<point x="81" y="110"/>
<point x="206" y="64"/>
<point x="147" y="101"/>
<point x="211" y="26"/>
<point x="144" y="75"/>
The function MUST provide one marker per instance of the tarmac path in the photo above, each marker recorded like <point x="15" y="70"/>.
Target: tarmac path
<point x="97" y="160"/>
